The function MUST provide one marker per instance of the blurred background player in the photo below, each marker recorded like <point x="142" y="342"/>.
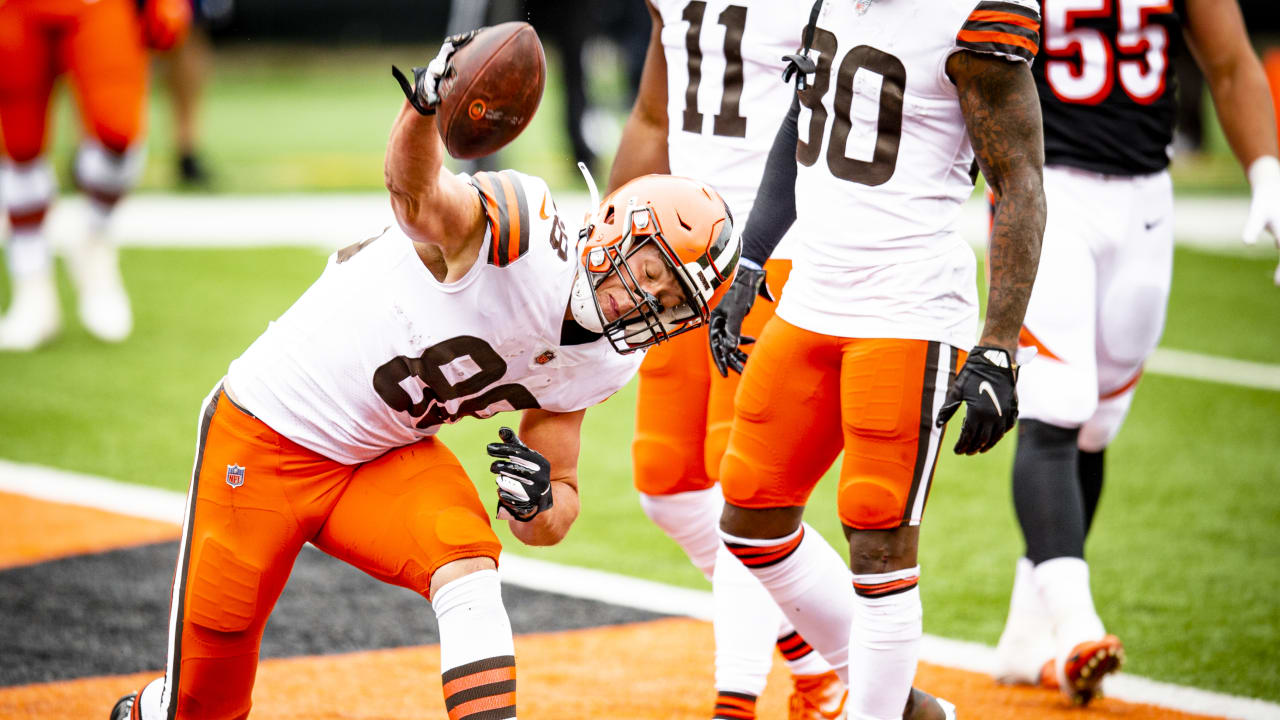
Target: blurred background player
<point x="710" y="101"/>
<point x="1106" y="84"/>
<point x="904" y="101"/>
<point x="189" y="66"/>
<point x="101" y="46"/>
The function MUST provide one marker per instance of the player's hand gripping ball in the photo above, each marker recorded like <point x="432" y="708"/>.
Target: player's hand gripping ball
<point x="484" y="87"/>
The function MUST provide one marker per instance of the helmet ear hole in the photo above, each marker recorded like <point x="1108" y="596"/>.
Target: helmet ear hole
<point x="608" y="215"/>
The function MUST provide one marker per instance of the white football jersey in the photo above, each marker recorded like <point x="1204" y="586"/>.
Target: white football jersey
<point x="725" y="93"/>
<point x="884" y="164"/>
<point x="378" y="354"/>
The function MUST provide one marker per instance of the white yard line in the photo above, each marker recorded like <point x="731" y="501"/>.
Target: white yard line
<point x="86" y="490"/>
<point x="332" y="220"/>
<point x="1210" y="368"/>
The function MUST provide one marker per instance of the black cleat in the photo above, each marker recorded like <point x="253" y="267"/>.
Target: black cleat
<point x="123" y="709"/>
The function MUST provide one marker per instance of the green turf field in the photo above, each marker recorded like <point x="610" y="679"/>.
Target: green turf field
<point x="1185" y="551"/>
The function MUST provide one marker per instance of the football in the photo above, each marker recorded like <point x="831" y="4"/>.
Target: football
<point x="490" y="89"/>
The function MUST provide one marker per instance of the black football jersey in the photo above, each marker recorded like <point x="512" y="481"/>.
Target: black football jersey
<point x="1106" y="82"/>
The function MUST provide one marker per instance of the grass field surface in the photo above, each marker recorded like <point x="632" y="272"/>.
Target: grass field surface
<point x="1184" y="551"/>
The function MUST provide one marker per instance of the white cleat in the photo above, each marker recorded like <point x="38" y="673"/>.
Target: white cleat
<point x="103" y="305"/>
<point x="33" y="318"/>
<point x="1021" y="653"/>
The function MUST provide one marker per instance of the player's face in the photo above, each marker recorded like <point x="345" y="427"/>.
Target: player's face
<point x="652" y="275"/>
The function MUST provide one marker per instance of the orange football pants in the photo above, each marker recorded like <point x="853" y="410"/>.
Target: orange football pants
<point x="806" y="396"/>
<point x="256" y="497"/>
<point x="98" y="43"/>
<point x="684" y="407"/>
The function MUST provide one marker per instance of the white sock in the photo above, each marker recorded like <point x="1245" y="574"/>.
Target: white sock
<point x="746" y="625"/>
<point x="477" y="652"/>
<point x="1026" y="642"/>
<point x="28" y="253"/>
<point x="884" y="644"/>
<point x="1064" y="585"/>
<point x="99" y="215"/>
<point x="809" y="582"/>
<point x="799" y="655"/>
<point x="691" y="519"/>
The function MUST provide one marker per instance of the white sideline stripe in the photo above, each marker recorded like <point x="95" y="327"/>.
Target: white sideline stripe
<point x="331" y="221"/>
<point x="86" y="490"/>
<point x="1211" y="368"/>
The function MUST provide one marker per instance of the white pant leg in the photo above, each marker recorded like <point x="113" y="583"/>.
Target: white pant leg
<point x="1059" y="386"/>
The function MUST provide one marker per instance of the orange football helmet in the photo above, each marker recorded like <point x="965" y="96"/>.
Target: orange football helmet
<point x="692" y="227"/>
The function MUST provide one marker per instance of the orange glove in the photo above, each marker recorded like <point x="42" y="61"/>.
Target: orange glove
<point x="165" y="23"/>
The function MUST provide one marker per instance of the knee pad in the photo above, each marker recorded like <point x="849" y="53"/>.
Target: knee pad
<point x="27" y="188"/>
<point x="867" y="503"/>
<point x="222" y="592"/>
<point x="691" y="519"/>
<point x="666" y="465"/>
<point x="104" y="173"/>
<point x="453" y="533"/>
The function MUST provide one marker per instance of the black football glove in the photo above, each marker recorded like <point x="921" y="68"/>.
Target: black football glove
<point x="724" y="328"/>
<point x="523" y="476"/>
<point x="423" y="93"/>
<point x="987" y="385"/>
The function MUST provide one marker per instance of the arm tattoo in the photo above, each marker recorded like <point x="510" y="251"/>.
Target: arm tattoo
<point x="1002" y="111"/>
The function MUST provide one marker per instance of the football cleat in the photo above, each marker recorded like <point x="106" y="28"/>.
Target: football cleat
<point x="33" y="318"/>
<point x="103" y="305"/>
<point x="923" y="706"/>
<point x="817" y="697"/>
<point x="1080" y="675"/>
<point x="123" y="709"/>
<point x="1021" y="655"/>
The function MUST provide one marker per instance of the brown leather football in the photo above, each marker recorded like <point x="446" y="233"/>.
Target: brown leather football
<point x="490" y="89"/>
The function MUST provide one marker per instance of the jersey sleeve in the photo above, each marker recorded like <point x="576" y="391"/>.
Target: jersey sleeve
<point x="1008" y="28"/>
<point x="505" y="200"/>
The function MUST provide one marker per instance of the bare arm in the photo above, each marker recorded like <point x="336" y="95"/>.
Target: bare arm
<point x="1002" y="111"/>
<point x="431" y="204"/>
<point x="643" y="149"/>
<point x="1216" y="35"/>
<point x="557" y="436"/>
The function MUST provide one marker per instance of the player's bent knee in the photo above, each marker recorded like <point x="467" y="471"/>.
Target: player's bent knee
<point x="458" y="569"/>
<point x="663" y="466"/>
<point x="222" y="592"/>
<point x="868" y="504"/>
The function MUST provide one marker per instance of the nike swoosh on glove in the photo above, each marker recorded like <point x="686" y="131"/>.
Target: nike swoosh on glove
<point x="987" y="385"/>
<point x="523" y="476"/>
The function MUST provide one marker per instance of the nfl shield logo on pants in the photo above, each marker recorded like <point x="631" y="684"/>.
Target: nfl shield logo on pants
<point x="235" y="476"/>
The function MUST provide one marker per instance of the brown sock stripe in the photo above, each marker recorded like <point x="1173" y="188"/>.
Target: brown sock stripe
<point x="884" y="589"/>
<point x="481" y="690"/>
<point x="758" y="556"/>
<point x="735" y="706"/>
<point x="793" y="647"/>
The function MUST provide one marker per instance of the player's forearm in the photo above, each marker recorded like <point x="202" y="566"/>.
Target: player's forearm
<point x="550" y="527"/>
<point x="642" y="151"/>
<point x="1013" y="257"/>
<point x="1243" y="101"/>
<point x="774" y="211"/>
<point x="412" y="167"/>
<point x="1002" y="112"/>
